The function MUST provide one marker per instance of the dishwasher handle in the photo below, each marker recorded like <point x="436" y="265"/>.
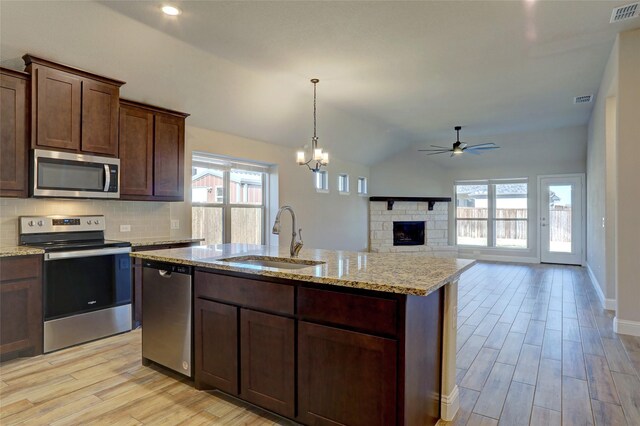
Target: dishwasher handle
<point x="164" y="274"/>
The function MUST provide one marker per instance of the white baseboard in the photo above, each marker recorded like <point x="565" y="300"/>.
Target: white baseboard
<point x="608" y="304"/>
<point x="449" y="405"/>
<point x="495" y="258"/>
<point x="631" y="328"/>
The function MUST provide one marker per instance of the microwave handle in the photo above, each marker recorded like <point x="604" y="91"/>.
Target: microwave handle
<point x="107" y="178"/>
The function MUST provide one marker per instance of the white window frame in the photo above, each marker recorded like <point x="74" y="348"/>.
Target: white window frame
<point x="324" y="181"/>
<point x="343" y="178"/>
<point x="226" y="165"/>
<point x="491" y="212"/>
<point x="362" y="186"/>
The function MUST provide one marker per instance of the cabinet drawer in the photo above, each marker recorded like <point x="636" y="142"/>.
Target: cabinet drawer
<point x="20" y="267"/>
<point x="366" y="313"/>
<point x="244" y="292"/>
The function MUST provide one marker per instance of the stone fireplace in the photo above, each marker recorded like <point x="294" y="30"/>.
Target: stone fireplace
<point x="410" y="226"/>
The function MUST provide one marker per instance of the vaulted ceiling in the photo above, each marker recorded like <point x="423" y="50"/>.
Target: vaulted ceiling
<point x="392" y="73"/>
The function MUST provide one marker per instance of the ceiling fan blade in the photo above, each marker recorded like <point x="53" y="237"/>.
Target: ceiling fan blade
<point x="471" y="152"/>
<point x="481" y="145"/>
<point x="482" y="148"/>
<point x="446" y="148"/>
<point x="434" y="150"/>
<point x="435" y="153"/>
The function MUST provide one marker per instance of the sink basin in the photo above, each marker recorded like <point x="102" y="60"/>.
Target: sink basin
<point x="272" y="262"/>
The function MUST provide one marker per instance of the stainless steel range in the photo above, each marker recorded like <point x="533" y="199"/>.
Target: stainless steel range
<point x="87" y="279"/>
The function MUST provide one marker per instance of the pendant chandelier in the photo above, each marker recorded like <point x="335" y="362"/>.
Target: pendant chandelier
<point x="318" y="158"/>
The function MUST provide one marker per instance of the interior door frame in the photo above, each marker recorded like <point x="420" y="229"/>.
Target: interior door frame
<point x="583" y="191"/>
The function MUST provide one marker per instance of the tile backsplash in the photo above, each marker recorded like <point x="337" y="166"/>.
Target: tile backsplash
<point x="147" y="219"/>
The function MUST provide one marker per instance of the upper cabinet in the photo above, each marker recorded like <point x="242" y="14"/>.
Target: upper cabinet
<point x="151" y="151"/>
<point x="14" y="132"/>
<point x="73" y="110"/>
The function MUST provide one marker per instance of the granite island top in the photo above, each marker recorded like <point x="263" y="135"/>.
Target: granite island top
<point x="160" y="241"/>
<point x="403" y="273"/>
<point x="10" y="251"/>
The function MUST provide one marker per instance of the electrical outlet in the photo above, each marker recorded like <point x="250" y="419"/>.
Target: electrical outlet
<point x="175" y="224"/>
<point x="125" y="228"/>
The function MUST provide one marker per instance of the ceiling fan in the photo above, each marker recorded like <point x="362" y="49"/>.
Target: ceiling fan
<point x="461" y="147"/>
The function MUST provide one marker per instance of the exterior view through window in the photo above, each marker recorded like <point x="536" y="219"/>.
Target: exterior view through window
<point x="492" y="213"/>
<point x="228" y="200"/>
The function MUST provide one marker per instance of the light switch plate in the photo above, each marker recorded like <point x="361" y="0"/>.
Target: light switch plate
<point x="125" y="228"/>
<point x="175" y="224"/>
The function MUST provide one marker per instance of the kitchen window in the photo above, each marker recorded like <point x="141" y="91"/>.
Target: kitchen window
<point x="228" y="200"/>
<point x="492" y="213"/>
<point x="343" y="184"/>
<point x="362" y="186"/>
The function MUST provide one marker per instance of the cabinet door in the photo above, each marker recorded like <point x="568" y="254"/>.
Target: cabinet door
<point x="345" y="378"/>
<point x="267" y="360"/>
<point x="136" y="151"/>
<point x="100" y="103"/>
<point x="57" y="109"/>
<point x="168" y="168"/>
<point x="216" y="346"/>
<point x="20" y="306"/>
<point x="13" y="136"/>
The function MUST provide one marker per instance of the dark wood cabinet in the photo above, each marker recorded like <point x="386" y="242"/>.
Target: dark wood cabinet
<point x="73" y="110"/>
<point x="14" y="133"/>
<point x="136" y="151"/>
<point x="267" y="348"/>
<point x="216" y="346"/>
<point x="20" y="306"/>
<point x="151" y="152"/>
<point x="345" y="377"/>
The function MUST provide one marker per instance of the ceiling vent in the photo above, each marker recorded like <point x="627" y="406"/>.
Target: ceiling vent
<point x="625" y="12"/>
<point x="583" y="99"/>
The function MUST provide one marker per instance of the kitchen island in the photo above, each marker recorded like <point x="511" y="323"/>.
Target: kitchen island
<point x="344" y="338"/>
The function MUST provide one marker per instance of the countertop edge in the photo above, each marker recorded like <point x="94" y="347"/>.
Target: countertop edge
<point x="20" y="251"/>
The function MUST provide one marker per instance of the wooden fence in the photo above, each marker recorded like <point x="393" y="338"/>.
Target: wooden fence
<point x="246" y="224"/>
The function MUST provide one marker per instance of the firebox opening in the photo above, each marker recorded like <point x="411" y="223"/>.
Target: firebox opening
<point x="408" y="233"/>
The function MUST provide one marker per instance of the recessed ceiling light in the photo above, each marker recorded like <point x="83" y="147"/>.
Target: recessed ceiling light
<point x="171" y="10"/>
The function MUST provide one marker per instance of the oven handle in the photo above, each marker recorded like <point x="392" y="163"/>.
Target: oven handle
<point x="86" y="253"/>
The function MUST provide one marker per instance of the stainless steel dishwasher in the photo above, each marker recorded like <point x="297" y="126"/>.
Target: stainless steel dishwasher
<point x="167" y="298"/>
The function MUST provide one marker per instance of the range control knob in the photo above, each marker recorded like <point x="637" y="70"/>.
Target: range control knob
<point x="97" y="222"/>
<point x="31" y="223"/>
<point x="41" y="223"/>
<point x="89" y="222"/>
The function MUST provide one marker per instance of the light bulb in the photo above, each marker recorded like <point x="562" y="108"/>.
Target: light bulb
<point x="171" y="10"/>
<point x="300" y="157"/>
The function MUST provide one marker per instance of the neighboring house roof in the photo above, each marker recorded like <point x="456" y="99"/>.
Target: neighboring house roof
<point x="236" y="177"/>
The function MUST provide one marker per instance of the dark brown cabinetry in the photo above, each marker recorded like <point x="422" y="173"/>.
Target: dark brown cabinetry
<point x="322" y="355"/>
<point x="73" y="110"/>
<point x="345" y="377"/>
<point x="14" y="132"/>
<point x="20" y="306"/>
<point x="151" y="152"/>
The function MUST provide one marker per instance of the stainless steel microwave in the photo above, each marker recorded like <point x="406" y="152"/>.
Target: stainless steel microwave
<point x="69" y="175"/>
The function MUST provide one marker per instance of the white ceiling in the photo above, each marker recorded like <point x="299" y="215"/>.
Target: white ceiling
<point x="392" y="73"/>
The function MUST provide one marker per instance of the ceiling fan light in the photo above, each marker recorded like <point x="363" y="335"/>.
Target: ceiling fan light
<point x="458" y="150"/>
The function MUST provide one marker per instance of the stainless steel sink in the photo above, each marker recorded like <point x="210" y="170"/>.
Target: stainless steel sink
<point x="272" y="262"/>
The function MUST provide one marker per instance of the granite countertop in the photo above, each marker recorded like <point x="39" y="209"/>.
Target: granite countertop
<point x="159" y="241"/>
<point x="9" y="251"/>
<point x="404" y="273"/>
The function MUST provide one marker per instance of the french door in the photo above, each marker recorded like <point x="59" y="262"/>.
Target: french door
<point x="561" y="223"/>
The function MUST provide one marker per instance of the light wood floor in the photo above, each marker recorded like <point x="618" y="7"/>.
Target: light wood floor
<point x="534" y="347"/>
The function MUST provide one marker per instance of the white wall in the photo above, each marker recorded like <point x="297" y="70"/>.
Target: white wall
<point x="328" y="220"/>
<point x="628" y="181"/>
<point x="601" y="187"/>
<point x="530" y="154"/>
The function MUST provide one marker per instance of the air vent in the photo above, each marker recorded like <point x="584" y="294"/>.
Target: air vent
<point x="583" y="99"/>
<point x="625" y="12"/>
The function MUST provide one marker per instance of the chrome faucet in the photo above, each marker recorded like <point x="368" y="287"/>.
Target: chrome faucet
<point x="296" y="246"/>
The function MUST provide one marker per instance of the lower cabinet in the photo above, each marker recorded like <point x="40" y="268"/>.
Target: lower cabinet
<point x="267" y="353"/>
<point x="345" y="377"/>
<point x="20" y="306"/>
<point x="216" y="346"/>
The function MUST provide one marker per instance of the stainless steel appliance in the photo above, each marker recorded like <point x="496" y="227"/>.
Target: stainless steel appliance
<point x="69" y="175"/>
<point x="87" y="279"/>
<point x="166" y="309"/>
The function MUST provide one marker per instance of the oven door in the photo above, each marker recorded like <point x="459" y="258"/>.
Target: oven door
<point x="86" y="280"/>
<point x="63" y="174"/>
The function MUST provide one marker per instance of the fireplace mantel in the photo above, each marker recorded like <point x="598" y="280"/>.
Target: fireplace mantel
<point x="430" y="200"/>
